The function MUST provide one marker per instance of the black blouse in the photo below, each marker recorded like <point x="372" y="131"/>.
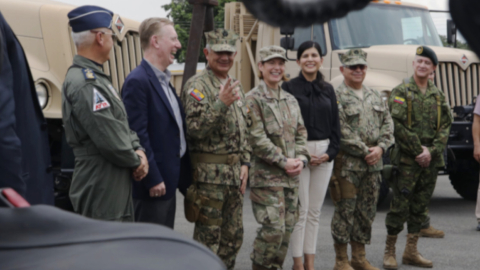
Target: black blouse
<point x="318" y="105"/>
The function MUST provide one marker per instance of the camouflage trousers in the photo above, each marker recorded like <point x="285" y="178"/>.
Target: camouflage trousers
<point x="412" y="189"/>
<point x="354" y="214"/>
<point x="276" y="209"/>
<point x="220" y="226"/>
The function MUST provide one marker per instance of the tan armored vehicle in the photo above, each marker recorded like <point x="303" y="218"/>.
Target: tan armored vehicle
<point x="390" y="32"/>
<point x="42" y="28"/>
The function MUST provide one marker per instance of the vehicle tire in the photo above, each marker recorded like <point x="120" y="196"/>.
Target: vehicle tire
<point x="465" y="179"/>
<point x="383" y="192"/>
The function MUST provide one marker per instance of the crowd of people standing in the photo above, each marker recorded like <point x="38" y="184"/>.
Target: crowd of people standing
<point x="291" y="140"/>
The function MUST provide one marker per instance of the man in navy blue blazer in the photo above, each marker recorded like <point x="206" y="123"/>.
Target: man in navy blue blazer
<point x="156" y="114"/>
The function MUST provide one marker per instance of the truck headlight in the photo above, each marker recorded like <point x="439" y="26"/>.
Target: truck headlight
<point x="42" y="93"/>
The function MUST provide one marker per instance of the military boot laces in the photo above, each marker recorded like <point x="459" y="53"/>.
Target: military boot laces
<point x="359" y="262"/>
<point x="389" y="259"/>
<point x="412" y="256"/>
<point x="341" y="258"/>
<point x="432" y="233"/>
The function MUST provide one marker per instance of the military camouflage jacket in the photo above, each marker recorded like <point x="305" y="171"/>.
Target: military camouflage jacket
<point x="214" y="128"/>
<point x="423" y="129"/>
<point x="277" y="132"/>
<point x="363" y="124"/>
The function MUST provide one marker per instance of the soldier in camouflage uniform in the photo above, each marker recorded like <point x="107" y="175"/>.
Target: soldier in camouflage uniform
<point x="218" y="140"/>
<point x="422" y="121"/>
<point x="96" y="127"/>
<point x="367" y="132"/>
<point x="278" y="138"/>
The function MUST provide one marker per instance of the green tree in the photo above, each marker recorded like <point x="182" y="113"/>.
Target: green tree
<point x="460" y="44"/>
<point x="180" y="12"/>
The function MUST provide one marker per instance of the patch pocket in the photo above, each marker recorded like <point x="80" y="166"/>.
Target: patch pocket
<point x="266" y="208"/>
<point x="265" y="214"/>
<point x="273" y="126"/>
<point x="352" y="112"/>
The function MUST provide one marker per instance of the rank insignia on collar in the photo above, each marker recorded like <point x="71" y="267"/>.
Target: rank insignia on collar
<point x="399" y="100"/>
<point x="89" y="74"/>
<point x="195" y="93"/>
<point x="99" y="101"/>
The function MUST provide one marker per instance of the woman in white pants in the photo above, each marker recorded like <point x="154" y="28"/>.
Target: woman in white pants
<point x="318" y="105"/>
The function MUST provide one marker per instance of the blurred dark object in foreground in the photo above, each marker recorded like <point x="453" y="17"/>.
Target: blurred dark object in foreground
<point x="465" y="15"/>
<point x="44" y="237"/>
<point x="301" y="12"/>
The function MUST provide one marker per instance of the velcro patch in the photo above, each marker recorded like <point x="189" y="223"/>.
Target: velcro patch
<point x="399" y="100"/>
<point x="99" y="101"/>
<point x="195" y="93"/>
<point x="89" y="74"/>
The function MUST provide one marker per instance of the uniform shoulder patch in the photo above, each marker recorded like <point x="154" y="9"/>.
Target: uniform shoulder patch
<point x="399" y="100"/>
<point x="89" y="74"/>
<point x="99" y="101"/>
<point x="196" y="94"/>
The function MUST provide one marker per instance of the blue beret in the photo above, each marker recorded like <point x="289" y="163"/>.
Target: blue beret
<point x="89" y="17"/>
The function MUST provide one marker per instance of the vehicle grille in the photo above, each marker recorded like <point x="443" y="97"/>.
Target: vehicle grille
<point x="459" y="86"/>
<point x="124" y="57"/>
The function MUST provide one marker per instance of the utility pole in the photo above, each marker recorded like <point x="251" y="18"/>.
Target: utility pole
<point x="202" y="21"/>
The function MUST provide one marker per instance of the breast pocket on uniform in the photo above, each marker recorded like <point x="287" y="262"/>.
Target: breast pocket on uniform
<point x="272" y="121"/>
<point x="379" y="111"/>
<point x="353" y="114"/>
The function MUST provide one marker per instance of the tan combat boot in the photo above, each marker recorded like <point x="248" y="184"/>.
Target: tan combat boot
<point x="412" y="256"/>
<point x="359" y="262"/>
<point x="432" y="233"/>
<point x="341" y="258"/>
<point x="389" y="259"/>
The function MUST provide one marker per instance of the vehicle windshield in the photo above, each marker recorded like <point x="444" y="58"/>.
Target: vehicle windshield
<point x="380" y="24"/>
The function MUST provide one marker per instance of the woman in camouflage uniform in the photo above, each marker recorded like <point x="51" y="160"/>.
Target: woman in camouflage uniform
<point x="278" y="138"/>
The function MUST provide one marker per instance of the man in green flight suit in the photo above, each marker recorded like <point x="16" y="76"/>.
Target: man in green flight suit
<point x="218" y="140"/>
<point x="422" y="120"/>
<point x="96" y="127"/>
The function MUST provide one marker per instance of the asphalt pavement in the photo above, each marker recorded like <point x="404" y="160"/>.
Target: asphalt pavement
<point x="460" y="249"/>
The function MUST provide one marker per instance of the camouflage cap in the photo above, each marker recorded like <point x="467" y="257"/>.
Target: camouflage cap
<point x="221" y="40"/>
<point x="353" y="57"/>
<point x="270" y="52"/>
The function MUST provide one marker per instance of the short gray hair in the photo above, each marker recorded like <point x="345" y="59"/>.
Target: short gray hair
<point x="83" y="39"/>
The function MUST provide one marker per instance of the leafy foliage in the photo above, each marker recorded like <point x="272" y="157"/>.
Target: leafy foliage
<point x="180" y="12"/>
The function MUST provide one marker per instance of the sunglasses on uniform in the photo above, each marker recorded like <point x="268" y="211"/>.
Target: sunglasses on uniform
<point x="355" y="67"/>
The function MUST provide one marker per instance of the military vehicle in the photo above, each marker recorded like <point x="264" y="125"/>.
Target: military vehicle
<point x="42" y="28"/>
<point x="390" y="32"/>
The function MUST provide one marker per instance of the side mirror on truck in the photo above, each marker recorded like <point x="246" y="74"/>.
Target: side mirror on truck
<point x="451" y="32"/>
<point x="287" y="43"/>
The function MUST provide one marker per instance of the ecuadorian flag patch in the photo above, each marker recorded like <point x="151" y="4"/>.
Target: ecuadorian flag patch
<point x="399" y="100"/>
<point x="197" y="94"/>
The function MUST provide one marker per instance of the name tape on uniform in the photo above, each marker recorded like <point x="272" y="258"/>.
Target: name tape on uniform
<point x="99" y="101"/>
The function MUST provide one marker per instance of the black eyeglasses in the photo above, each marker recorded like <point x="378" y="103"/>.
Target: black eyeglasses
<point x="355" y="67"/>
